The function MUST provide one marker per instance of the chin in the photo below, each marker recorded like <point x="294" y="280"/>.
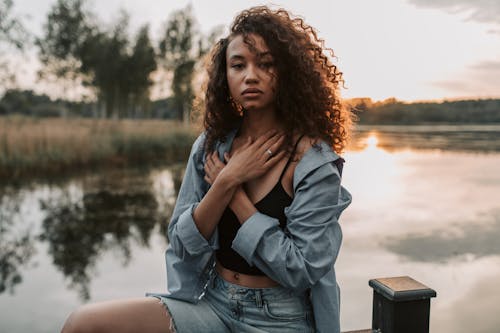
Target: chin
<point x="251" y="107"/>
<point x="255" y="106"/>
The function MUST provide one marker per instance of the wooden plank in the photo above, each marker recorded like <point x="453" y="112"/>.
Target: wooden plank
<point x="402" y="283"/>
<point x="401" y="288"/>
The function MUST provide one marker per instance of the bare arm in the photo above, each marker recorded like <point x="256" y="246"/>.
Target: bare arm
<point x="241" y="205"/>
<point x="210" y="209"/>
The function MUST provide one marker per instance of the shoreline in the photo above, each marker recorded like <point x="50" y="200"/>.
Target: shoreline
<point x="33" y="148"/>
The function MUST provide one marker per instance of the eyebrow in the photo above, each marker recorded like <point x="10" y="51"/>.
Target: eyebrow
<point x="263" y="54"/>
<point x="260" y="55"/>
<point x="237" y="57"/>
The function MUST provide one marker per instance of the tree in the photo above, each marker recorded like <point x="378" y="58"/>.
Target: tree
<point x="176" y="52"/>
<point x="75" y="48"/>
<point x="141" y="61"/>
<point x="14" y="35"/>
<point x="181" y="47"/>
<point x="66" y="33"/>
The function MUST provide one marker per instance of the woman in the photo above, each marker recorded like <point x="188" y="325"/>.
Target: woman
<point x="254" y="234"/>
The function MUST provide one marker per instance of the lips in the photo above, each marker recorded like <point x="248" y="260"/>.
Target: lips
<point x="251" y="91"/>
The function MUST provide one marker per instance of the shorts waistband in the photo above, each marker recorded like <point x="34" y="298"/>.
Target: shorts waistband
<point x="253" y="294"/>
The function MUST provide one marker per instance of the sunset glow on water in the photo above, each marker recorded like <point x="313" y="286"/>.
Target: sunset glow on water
<point x="431" y="214"/>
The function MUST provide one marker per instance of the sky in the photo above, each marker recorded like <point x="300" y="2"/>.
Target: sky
<point x="412" y="50"/>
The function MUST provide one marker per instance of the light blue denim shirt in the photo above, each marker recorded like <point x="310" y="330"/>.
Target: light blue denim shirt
<point x="299" y="257"/>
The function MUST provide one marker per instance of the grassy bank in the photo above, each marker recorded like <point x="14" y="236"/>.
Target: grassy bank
<point x="31" y="147"/>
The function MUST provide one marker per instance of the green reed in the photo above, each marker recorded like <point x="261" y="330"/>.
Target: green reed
<point x="48" y="146"/>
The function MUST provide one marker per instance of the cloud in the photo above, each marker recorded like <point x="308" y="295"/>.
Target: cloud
<point x="474" y="238"/>
<point x="488" y="66"/>
<point x="486" y="11"/>
<point x="481" y="77"/>
<point x="474" y="309"/>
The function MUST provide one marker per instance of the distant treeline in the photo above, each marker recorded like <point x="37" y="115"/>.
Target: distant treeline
<point x="27" y="103"/>
<point x="392" y="111"/>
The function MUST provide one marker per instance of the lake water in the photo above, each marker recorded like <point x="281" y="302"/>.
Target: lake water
<point x="426" y="203"/>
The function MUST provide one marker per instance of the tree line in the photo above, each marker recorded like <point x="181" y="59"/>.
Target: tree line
<point x="112" y="69"/>
<point x="29" y="103"/>
<point x="391" y="111"/>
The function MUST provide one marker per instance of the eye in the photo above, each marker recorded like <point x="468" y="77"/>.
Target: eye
<point x="237" y="66"/>
<point x="266" y="64"/>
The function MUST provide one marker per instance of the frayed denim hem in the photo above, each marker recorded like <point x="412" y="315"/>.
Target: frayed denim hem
<point x="172" y="327"/>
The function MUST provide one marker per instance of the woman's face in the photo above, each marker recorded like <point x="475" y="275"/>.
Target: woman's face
<point x="251" y="74"/>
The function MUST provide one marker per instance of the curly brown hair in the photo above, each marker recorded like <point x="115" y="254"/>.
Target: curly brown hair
<point x="307" y="98"/>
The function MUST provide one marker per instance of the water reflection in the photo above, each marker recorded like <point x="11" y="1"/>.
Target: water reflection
<point x="466" y="241"/>
<point x="431" y="214"/>
<point x="86" y="218"/>
<point x="474" y="309"/>
<point x="470" y="138"/>
<point x="78" y="231"/>
<point x="16" y="243"/>
<point x="371" y="141"/>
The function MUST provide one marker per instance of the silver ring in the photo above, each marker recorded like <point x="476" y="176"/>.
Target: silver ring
<point x="269" y="152"/>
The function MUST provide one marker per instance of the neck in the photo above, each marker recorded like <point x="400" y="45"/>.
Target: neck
<point x="257" y="122"/>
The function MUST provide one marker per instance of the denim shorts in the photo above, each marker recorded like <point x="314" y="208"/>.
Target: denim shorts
<point x="227" y="307"/>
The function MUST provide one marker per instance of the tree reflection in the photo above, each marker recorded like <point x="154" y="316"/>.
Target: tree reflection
<point x="16" y="246"/>
<point x="83" y="219"/>
<point x="79" y="231"/>
<point x="177" y="174"/>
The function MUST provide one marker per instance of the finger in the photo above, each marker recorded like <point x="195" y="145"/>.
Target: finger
<point x="209" y="167"/>
<point x="275" y="137"/>
<point x="208" y="164"/>
<point x="270" y="144"/>
<point x="274" y="159"/>
<point x="227" y="157"/>
<point x="277" y="144"/>
<point x="208" y="159"/>
<point x="265" y="137"/>
<point x="207" y="179"/>
<point x="271" y="148"/>
<point x="248" y="143"/>
<point x="218" y="163"/>
<point x="213" y="157"/>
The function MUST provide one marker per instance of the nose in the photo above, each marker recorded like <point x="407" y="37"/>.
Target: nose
<point x="252" y="75"/>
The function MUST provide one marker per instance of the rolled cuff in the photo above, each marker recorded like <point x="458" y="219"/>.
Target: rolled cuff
<point x="249" y="234"/>
<point x="189" y="235"/>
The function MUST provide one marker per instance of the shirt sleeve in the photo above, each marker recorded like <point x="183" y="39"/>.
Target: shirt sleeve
<point x="183" y="235"/>
<point x="301" y="254"/>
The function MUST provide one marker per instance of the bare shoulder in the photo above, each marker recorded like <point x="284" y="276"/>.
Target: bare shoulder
<point x="305" y="143"/>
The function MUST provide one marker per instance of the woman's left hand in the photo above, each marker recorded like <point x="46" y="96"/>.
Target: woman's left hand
<point x="213" y="166"/>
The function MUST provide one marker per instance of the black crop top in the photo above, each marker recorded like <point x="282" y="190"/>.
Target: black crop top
<point x="273" y="204"/>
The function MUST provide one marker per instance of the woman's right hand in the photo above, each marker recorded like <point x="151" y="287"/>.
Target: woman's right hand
<point x="253" y="159"/>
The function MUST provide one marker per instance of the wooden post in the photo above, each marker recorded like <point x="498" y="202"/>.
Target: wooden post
<point x="400" y="305"/>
